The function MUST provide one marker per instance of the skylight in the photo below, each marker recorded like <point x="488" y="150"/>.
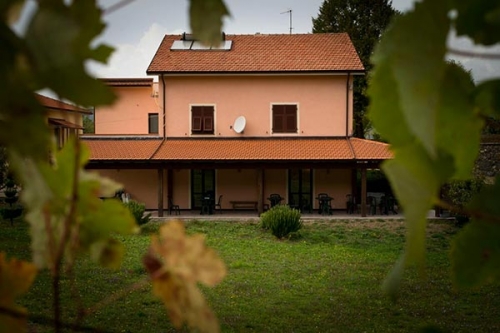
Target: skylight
<point x="187" y="42"/>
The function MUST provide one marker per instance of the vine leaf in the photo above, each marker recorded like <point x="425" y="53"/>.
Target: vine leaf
<point x="16" y="278"/>
<point x="177" y="263"/>
<point x="487" y="97"/>
<point x="475" y="254"/>
<point x="478" y="19"/>
<point x="418" y="87"/>
<point x="438" y="132"/>
<point x="58" y="38"/>
<point x="206" y="20"/>
<point x="10" y="10"/>
<point x="48" y="191"/>
<point x="475" y="251"/>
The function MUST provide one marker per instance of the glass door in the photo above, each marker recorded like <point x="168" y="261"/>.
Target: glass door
<point x="202" y="181"/>
<point x="300" y="189"/>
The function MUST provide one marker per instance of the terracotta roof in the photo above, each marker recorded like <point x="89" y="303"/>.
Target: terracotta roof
<point x="122" y="149"/>
<point x="128" y="82"/>
<point x="369" y="149"/>
<point x="327" y="52"/>
<point x="255" y="149"/>
<point x="52" y="103"/>
<point x="63" y="123"/>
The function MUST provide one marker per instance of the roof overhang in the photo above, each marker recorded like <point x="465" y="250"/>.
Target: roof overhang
<point x="260" y="73"/>
<point x="63" y="123"/>
<point x="235" y="152"/>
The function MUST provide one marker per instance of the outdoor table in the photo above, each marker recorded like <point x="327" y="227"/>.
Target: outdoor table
<point x="206" y="205"/>
<point x="325" y="205"/>
<point x="275" y="199"/>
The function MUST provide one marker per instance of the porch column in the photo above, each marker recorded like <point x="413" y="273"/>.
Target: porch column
<point x="260" y="190"/>
<point x="170" y="186"/>
<point x="363" y="192"/>
<point x="160" y="192"/>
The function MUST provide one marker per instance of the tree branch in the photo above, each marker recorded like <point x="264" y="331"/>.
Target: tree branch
<point x="471" y="54"/>
<point x="468" y="212"/>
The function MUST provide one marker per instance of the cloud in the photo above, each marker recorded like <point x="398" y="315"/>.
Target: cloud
<point x="481" y="68"/>
<point x="132" y="60"/>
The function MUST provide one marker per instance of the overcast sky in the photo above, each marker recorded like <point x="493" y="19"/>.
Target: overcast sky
<point x="136" y="30"/>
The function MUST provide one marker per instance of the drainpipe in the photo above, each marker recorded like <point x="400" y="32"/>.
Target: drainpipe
<point x="163" y="104"/>
<point x="347" y="105"/>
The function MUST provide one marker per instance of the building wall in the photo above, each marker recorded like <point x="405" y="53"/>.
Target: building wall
<point x="321" y="103"/>
<point x="142" y="185"/>
<point x="334" y="182"/>
<point x="129" y="114"/>
<point x="233" y="184"/>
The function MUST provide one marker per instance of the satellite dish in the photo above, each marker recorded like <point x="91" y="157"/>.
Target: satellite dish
<point x="239" y="124"/>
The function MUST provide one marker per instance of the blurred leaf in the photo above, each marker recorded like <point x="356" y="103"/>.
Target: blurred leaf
<point x="48" y="190"/>
<point x="108" y="253"/>
<point x="479" y="20"/>
<point x="16" y="278"/>
<point x="10" y="10"/>
<point x="206" y="20"/>
<point x="392" y="281"/>
<point x="418" y="86"/>
<point x="177" y="262"/>
<point x="58" y="38"/>
<point x="475" y="254"/>
<point x="458" y="129"/>
<point x="487" y="97"/>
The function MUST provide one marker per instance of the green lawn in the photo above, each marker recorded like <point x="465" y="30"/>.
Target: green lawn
<point x="327" y="280"/>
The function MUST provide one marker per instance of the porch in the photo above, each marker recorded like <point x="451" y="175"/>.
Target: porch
<point x="229" y="215"/>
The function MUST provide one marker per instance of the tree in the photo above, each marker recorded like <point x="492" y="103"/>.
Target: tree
<point x="364" y="21"/>
<point x="88" y="124"/>
<point x="3" y="166"/>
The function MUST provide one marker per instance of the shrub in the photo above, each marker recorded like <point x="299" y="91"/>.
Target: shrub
<point x="137" y="209"/>
<point x="459" y="193"/>
<point x="281" y="220"/>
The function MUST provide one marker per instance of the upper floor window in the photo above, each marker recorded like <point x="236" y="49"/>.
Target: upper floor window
<point x="202" y="120"/>
<point x="153" y="123"/>
<point x="284" y="118"/>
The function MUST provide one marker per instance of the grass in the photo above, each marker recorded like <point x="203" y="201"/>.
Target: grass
<point x="326" y="280"/>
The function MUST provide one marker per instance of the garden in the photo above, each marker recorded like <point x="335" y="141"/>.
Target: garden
<point x="326" y="277"/>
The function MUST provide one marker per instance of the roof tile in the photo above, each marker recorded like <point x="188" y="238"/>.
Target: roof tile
<point x="262" y="53"/>
<point x="296" y="149"/>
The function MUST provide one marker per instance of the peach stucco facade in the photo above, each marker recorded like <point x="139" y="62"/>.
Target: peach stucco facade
<point x="129" y="114"/>
<point x="323" y="103"/>
<point x="232" y="184"/>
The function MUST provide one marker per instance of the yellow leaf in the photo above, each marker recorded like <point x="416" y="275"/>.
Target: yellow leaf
<point x="177" y="262"/>
<point x="15" y="279"/>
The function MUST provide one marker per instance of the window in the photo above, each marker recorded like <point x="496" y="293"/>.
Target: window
<point x="153" y="123"/>
<point x="285" y="118"/>
<point x="202" y="120"/>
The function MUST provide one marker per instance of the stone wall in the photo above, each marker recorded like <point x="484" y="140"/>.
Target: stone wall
<point x="488" y="162"/>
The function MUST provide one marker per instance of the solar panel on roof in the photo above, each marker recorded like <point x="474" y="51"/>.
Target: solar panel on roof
<point x="225" y="45"/>
<point x="199" y="46"/>
<point x="181" y="45"/>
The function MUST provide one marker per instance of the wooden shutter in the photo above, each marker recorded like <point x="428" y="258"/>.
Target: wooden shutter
<point x="291" y="119"/>
<point x="278" y="118"/>
<point x="208" y="124"/>
<point x="197" y="118"/>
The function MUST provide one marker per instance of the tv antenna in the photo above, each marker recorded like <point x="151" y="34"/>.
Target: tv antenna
<point x="290" y="13"/>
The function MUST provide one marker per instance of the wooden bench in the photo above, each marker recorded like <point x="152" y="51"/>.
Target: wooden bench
<point x="244" y="204"/>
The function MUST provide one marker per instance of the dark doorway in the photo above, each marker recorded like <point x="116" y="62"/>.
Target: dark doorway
<point x="300" y="189"/>
<point x="202" y="181"/>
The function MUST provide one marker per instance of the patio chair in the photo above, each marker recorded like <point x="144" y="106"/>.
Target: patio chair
<point x="172" y="207"/>
<point x="218" y="206"/>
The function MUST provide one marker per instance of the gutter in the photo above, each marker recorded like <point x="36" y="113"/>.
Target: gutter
<point x="347" y="117"/>
<point x="163" y="105"/>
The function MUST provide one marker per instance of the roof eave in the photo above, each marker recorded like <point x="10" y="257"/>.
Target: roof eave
<point x="298" y="72"/>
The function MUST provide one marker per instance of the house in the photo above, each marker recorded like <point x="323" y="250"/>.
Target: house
<point x="254" y="116"/>
<point x="64" y="119"/>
